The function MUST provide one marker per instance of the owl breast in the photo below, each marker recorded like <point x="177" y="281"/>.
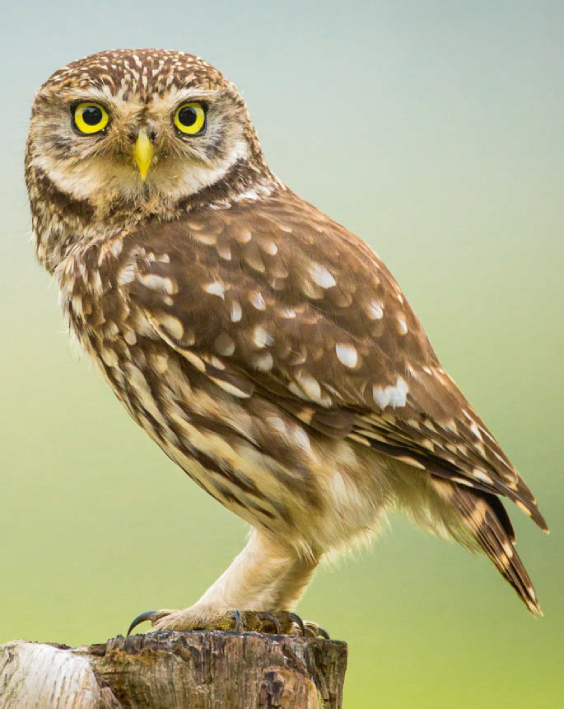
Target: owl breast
<point x="251" y="456"/>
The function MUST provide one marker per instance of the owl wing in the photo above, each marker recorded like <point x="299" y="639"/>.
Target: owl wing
<point x="272" y="298"/>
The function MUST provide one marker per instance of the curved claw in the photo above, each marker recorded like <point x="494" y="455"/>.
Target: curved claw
<point x="316" y="631"/>
<point x="141" y="618"/>
<point x="274" y="620"/>
<point x="298" y="621"/>
<point x="237" y="617"/>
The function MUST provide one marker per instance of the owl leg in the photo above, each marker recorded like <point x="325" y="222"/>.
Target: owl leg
<point x="292" y="587"/>
<point x="247" y="596"/>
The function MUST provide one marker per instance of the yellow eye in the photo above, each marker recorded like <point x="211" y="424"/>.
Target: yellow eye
<point x="90" y="117"/>
<point x="190" y="118"/>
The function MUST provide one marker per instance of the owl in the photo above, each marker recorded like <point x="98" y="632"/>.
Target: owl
<point x="265" y="348"/>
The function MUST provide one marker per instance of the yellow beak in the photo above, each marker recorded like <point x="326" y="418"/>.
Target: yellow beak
<point x="143" y="153"/>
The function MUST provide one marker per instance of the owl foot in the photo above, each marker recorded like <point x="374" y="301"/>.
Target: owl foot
<point x="313" y="630"/>
<point x="275" y="622"/>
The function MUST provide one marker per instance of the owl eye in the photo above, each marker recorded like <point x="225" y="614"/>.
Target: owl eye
<point x="190" y="118"/>
<point x="90" y="117"/>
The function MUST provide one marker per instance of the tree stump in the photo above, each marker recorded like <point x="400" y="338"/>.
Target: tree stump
<point x="196" y="670"/>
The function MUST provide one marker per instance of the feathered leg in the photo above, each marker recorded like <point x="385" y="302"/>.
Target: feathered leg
<point x="251" y="594"/>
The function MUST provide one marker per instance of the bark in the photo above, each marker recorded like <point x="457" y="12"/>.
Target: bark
<point x="196" y="670"/>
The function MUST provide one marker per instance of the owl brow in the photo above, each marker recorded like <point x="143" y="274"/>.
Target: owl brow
<point x="90" y="93"/>
<point x="87" y="98"/>
<point x="174" y="99"/>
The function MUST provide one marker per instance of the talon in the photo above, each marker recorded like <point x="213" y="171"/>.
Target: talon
<point x="141" y="618"/>
<point x="274" y="620"/>
<point x="298" y="621"/>
<point x="315" y="631"/>
<point x="237" y="617"/>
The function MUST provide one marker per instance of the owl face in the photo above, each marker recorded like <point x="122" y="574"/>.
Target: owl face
<point x="123" y="126"/>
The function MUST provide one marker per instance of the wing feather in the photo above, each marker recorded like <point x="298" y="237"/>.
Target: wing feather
<point x="272" y="298"/>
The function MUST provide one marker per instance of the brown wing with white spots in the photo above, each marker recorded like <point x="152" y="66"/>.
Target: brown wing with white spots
<point x="272" y="297"/>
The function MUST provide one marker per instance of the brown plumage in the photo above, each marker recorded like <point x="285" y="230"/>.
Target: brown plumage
<point x="264" y="347"/>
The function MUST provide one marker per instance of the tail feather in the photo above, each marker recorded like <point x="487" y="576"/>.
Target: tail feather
<point x="485" y="518"/>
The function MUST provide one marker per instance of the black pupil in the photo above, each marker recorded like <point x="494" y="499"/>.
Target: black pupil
<point x="187" y="116"/>
<point x="92" y="115"/>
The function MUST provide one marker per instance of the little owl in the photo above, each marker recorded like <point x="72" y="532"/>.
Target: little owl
<point x="264" y="347"/>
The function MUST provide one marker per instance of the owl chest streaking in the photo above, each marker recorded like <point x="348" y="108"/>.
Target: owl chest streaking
<point x="265" y="348"/>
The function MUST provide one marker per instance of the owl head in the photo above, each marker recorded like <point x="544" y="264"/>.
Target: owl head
<point x="125" y="127"/>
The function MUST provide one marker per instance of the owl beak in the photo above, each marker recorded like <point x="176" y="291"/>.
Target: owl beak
<point x="143" y="153"/>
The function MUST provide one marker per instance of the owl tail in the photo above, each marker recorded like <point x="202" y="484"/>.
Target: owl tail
<point x="485" y="518"/>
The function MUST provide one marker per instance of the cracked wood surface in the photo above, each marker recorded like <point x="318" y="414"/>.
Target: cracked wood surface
<point x="196" y="670"/>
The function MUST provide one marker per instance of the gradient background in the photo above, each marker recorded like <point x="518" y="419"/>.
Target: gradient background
<point x="435" y="131"/>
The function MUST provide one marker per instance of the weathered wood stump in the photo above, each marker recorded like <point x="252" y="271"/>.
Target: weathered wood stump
<point x="197" y="670"/>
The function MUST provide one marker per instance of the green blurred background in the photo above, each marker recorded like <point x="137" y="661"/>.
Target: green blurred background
<point x="435" y="131"/>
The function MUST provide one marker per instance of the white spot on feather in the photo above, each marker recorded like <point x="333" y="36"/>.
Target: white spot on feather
<point x="508" y="549"/>
<point x="236" y="312"/>
<point x="301" y="439"/>
<point x="523" y="507"/>
<point x="224" y="345"/>
<point x="375" y="310"/>
<point x="309" y="385"/>
<point x="322" y="276"/>
<point x="117" y="247"/>
<point x="479" y="475"/>
<point x="347" y="354"/>
<point x="206" y="239"/>
<point x="172" y="324"/>
<point x="263" y="362"/>
<point x="268" y="246"/>
<point x="261" y="336"/>
<point x="311" y="290"/>
<point x="391" y="395"/>
<point x="224" y="250"/>
<point x="277" y="424"/>
<point x="231" y="388"/>
<point x="109" y="356"/>
<point x="158" y="283"/>
<point x="462" y="481"/>
<point x="160" y="363"/>
<point x="76" y="302"/>
<point x="257" y="300"/>
<point x="215" y="288"/>
<point x="127" y="273"/>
